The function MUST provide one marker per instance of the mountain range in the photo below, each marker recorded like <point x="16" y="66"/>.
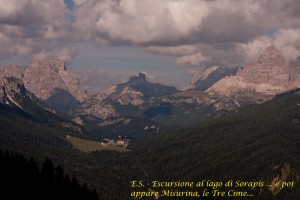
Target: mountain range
<point x="16" y="100"/>
<point x="251" y="143"/>
<point x="214" y="92"/>
<point x="270" y="75"/>
<point x="217" y="91"/>
<point x="257" y="143"/>
<point x="49" y="81"/>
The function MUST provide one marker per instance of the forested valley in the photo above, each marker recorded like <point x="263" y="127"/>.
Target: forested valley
<point x="256" y="143"/>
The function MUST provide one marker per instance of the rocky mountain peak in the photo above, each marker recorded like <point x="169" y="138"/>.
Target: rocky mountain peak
<point x="142" y="76"/>
<point x="49" y="81"/>
<point x="271" y="56"/>
<point x="138" y="79"/>
<point x="269" y="76"/>
<point x="270" y="69"/>
<point x="138" y="85"/>
<point x="56" y="65"/>
<point x="50" y="77"/>
<point x="10" y="87"/>
<point x="12" y="70"/>
<point x="13" y="85"/>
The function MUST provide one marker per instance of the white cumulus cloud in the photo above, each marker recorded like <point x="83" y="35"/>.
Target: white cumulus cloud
<point x="225" y="32"/>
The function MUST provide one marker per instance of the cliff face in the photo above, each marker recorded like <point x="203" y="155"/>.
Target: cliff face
<point x="49" y="81"/>
<point x="270" y="68"/>
<point x="270" y="75"/>
<point x="10" y="87"/>
<point x="209" y="76"/>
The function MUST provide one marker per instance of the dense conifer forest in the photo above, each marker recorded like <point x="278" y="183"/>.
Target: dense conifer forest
<point x="23" y="179"/>
<point x="260" y="142"/>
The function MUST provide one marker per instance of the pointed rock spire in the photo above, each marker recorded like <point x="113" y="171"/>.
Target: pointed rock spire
<point x="271" y="56"/>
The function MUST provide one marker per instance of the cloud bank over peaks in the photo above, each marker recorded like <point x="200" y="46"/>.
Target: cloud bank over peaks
<point x="194" y="32"/>
<point x="286" y="40"/>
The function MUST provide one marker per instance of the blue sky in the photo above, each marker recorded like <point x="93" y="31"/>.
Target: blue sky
<point x="107" y="41"/>
<point x="69" y="4"/>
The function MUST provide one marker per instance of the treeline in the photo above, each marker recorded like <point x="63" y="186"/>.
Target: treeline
<point x="22" y="179"/>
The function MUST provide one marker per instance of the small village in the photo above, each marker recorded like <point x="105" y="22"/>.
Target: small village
<point x="121" y="142"/>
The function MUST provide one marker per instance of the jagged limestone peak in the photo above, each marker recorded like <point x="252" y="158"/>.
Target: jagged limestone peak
<point x="56" y="65"/>
<point x="272" y="56"/>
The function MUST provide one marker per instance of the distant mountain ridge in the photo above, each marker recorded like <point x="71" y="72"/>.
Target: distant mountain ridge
<point x="16" y="101"/>
<point x="140" y="87"/>
<point x="214" y="92"/>
<point x="209" y="76"/>
<point x="250" y="84"/>
<point x="136" y="91"/>
<point x="270" y="75"/>
<point x="49" y="81"/>
<point x="122" y="102"/>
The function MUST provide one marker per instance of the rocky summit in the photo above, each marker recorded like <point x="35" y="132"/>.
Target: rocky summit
<point x="270" y="75"/>
<point x="137" y="90"/>
<point x="122" y="97"/>
<point x="49" y="81"/>
<point x="213" y="92"/>
<point x="10" y="87"/>
<point x="270" y="68"/>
